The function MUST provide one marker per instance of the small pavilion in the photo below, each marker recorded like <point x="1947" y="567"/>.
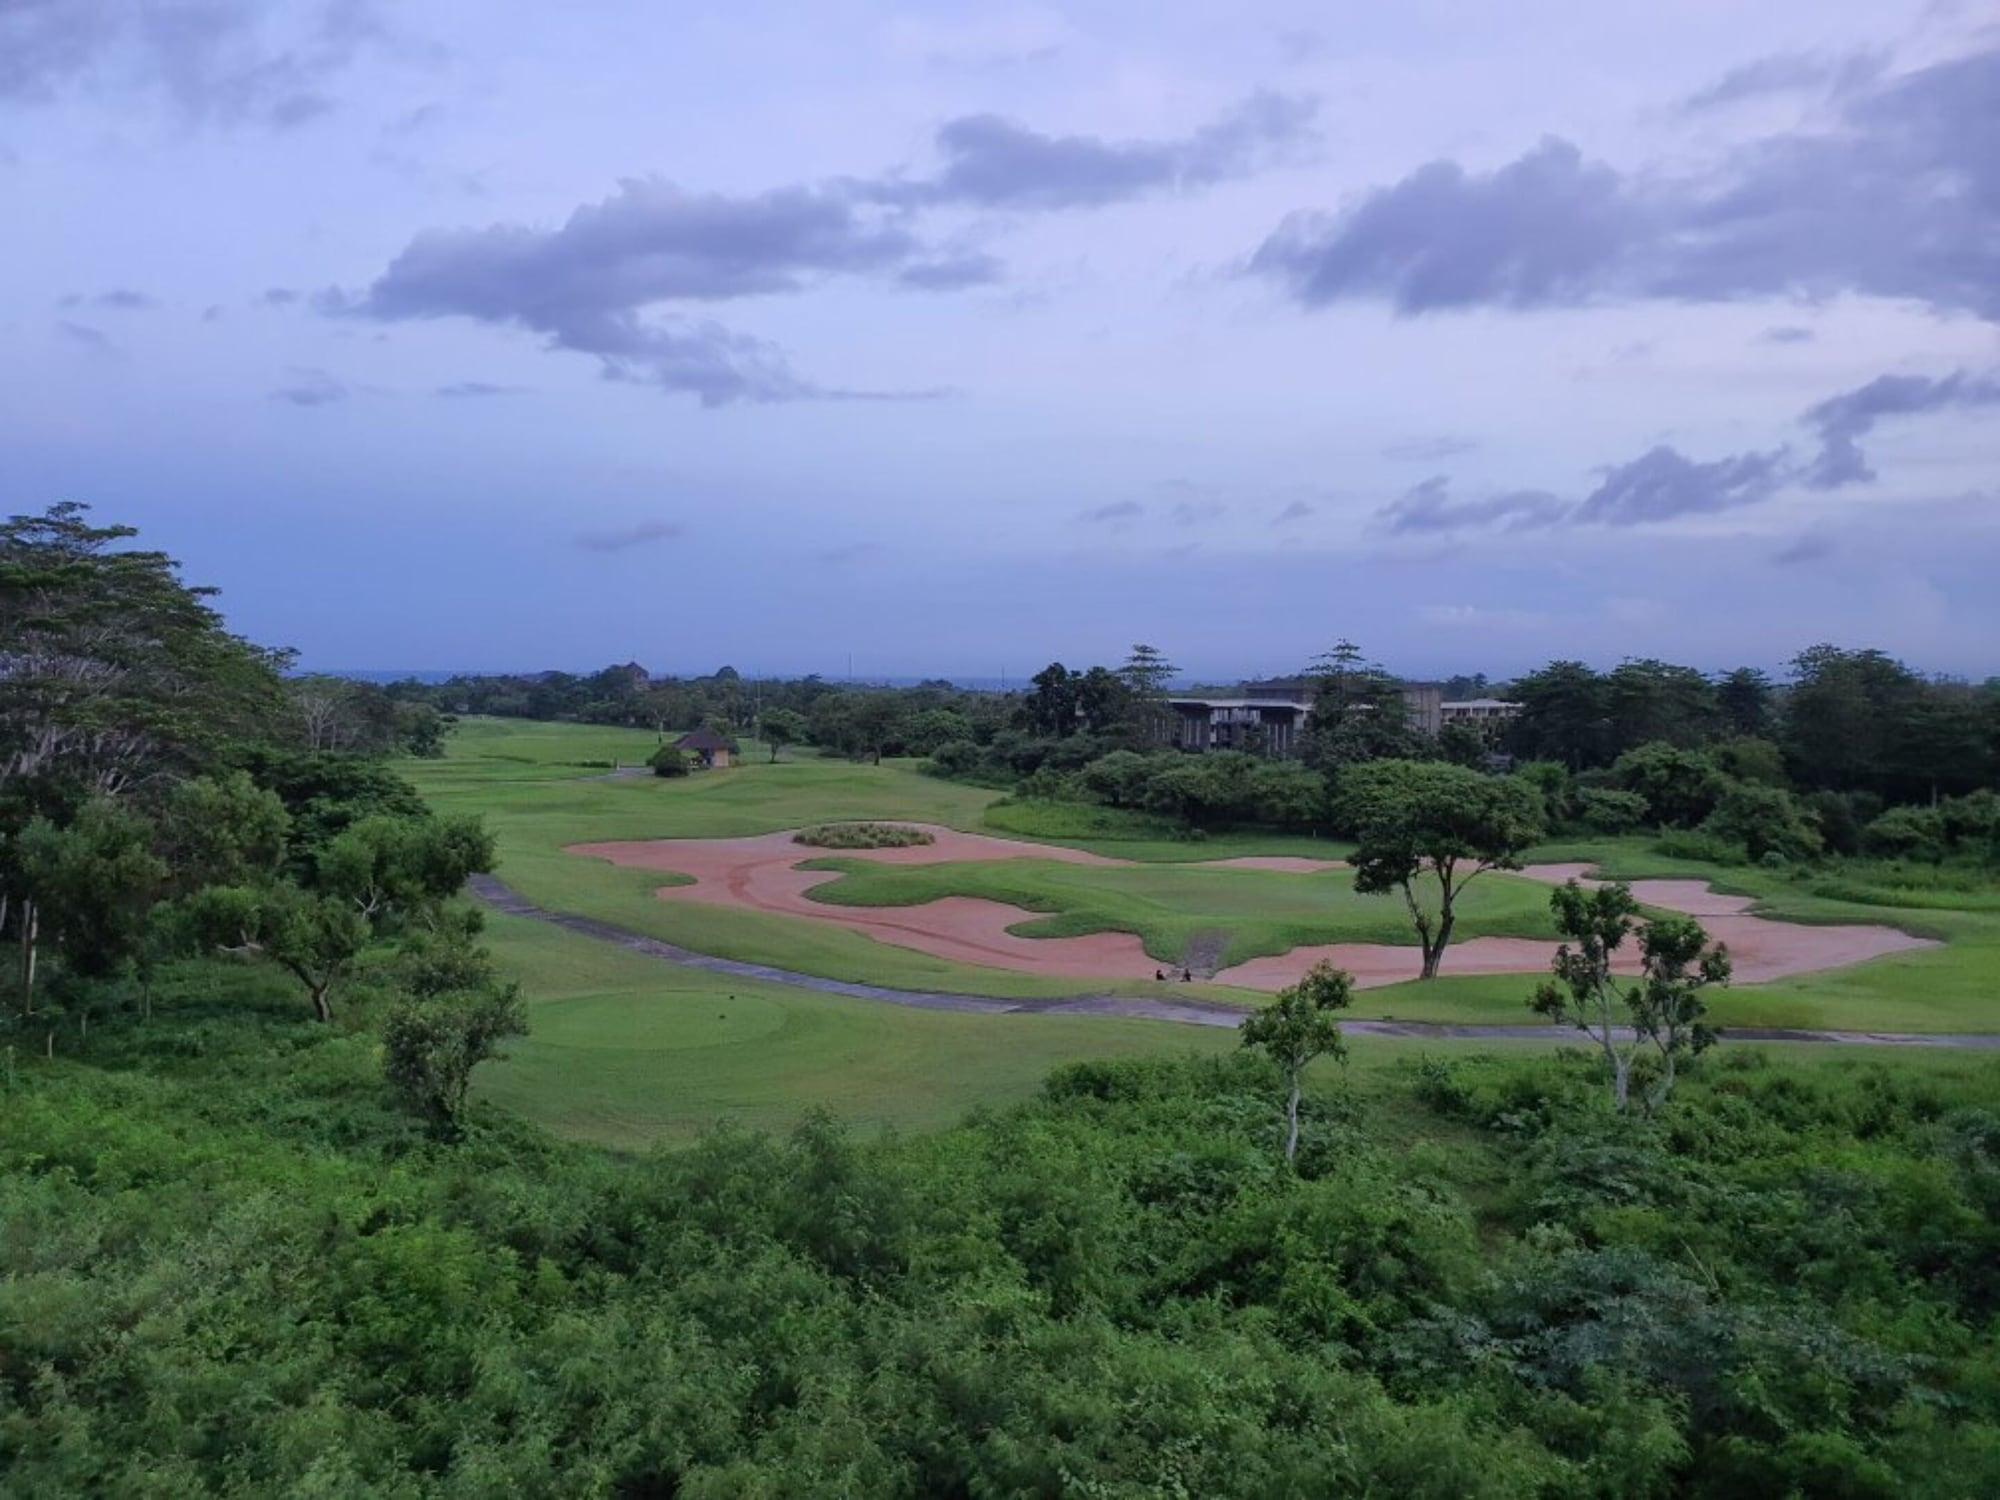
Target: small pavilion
<point x="710" y="750"/>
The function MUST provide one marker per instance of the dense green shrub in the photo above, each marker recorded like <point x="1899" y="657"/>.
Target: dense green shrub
<point x="1766" y="821"/>
<point x="667" y="761"/>
<point x="863" y="836"/>
<point x="1602" y="810"/>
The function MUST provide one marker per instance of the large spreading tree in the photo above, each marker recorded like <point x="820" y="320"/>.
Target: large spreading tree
<point x="1427" y="829"/>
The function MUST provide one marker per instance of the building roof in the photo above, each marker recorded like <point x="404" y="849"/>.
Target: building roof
<point x="1177" y="699"/>
<point x="1478" y="703"/>
<point x="703" y="738"/>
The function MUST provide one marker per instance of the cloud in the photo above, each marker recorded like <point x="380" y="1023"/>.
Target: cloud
<point x="592" y="285"/>
<point x="1298" y="510"/>
<point x="1430" y="449"/>
<point x="1428" y="507"/>
<point x="1194" y="512"/>
<point x="1786" y="333"/>
<point x="1803" y="549"/>
<point x="311" y="387"/>
<point x="468" y="388"/>
<point x="279" y="296"/>
<point x="1842" y="421"/>
<point x="118" y="299"/>
<point x="630" y="536"/>
<point x="584" y="285"/>
<point x="96" y="340"/>
<point x="1899" y="198"/>
<point x="1117" y="511"/>
<point x="1788" y="73"/>
<point x="1663" y="483"/>
<point x="993" y="162"/>
<point x="216" y="62"/>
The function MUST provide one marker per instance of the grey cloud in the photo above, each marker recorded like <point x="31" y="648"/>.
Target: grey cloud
<point x="1663" y="483"/>
<point x="1298" y="510"/>
<point x="93" y="339"/>
<point x="279" y="296"/>
<point x="587" y="286"/>
<point x="1428" y="507"/>
<point x="1804" y="549"/>
<point x="1430" y="449"/>
<point x="222" y="62"/>
<point x="997" y="163"/>
<point x="584" y="285"/>
<point x="950" y="274"/>
<point x="1117" y="510"/>
<point x="1900" y="198"/>
<point x="469" y="388"/>
<point x="1194" y="512"/>
<point x="310" y="387"/>
<point x="1785" y="73"/>
<point x="1842" y="421"/>
<point x="118" y="299"/>
<point x="1786" y="333"/>
<point x="630" y="536"/>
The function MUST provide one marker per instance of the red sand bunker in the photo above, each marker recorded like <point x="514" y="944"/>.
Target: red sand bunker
<point x="762" y="874"/>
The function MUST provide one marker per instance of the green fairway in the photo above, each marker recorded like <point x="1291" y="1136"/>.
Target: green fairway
<point x="541" y="787"/>
<point x="1243" y="914"/>
<point x="626" y="1050"/>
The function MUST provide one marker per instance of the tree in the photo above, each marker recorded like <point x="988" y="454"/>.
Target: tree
<point x="1358" y="712"/>
<point x="1146" y="675"/>
<point x="1050" y="707"/>
<point x="92" y="882"/>
<point x="780" y="727"/>
<point x="1765" y="820"/>
<point x="1664" y="1010"/>
<point x="1103" y="700"/>
<point x="315" y="938"/>
<point x="454" y="1015"/>
<point x="667" y="761"/>
<point x="875" y="722"/>
<point x="1744" y="699"/>
<point x="222" y="830"/>
<point x="926" y="731"/>
<point x="1680" y="786"/>
<point x="1650" y="700"/>
<point x="1428" y="830"/>
<point x="1298" y="1027"/>
<point x="1564" y="716"/>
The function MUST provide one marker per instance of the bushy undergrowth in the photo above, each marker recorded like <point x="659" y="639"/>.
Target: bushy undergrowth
<point x="863" y="836"/>
<point x="227" y="1264"/>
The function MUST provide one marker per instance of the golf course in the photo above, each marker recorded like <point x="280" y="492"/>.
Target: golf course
<point x="626" y="1048"/>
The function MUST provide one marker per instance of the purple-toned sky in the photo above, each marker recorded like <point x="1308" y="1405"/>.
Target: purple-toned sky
<point x="462" y="333"/>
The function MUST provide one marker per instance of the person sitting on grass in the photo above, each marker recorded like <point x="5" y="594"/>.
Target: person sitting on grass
<point x="1160" y="974"/>
<point x="1187" y="976"/>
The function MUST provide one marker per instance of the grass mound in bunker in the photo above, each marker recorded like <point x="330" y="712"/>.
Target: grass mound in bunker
<point x="863" y="836"/>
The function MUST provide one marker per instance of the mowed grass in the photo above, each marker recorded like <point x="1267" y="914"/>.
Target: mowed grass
<point x="538" y="787"/>
<point x="626" y="1050"/>
<point x="1243" y="914"/>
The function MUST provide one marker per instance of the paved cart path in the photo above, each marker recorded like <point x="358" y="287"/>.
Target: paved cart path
<point x="502" y="898"/>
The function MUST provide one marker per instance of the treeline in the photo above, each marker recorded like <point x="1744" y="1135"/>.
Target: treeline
<point x="167" y="792"/>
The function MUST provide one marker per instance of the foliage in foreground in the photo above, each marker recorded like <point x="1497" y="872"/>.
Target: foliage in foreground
<point x="228" y="1264"/>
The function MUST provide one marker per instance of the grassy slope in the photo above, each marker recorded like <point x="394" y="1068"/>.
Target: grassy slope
<point x="525" y="779"/>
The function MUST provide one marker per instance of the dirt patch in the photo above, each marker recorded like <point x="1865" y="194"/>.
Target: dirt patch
<point x="763" y="874"/>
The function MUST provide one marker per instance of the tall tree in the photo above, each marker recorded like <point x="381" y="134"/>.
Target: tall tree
<point x="1744" y="698"/>
<point x="779" y="727"/>
<point x="1427" y="830"/>
<point x="1564" y="716"/>
<point x="1050" y="706"/>
<point x="1650" y="701"/>
<point x="1298" y="1027"/>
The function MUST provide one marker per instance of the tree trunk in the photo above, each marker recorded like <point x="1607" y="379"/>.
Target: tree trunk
<point x="322" y="1007"/>
<point x="1434" y="946"/>
<point x="1621" y="1081"/>
<point x="1292" y="1122"/>
<point x="31" y="921"/>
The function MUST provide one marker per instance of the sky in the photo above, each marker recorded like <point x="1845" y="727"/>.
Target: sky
<point x="954" y="339"/>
